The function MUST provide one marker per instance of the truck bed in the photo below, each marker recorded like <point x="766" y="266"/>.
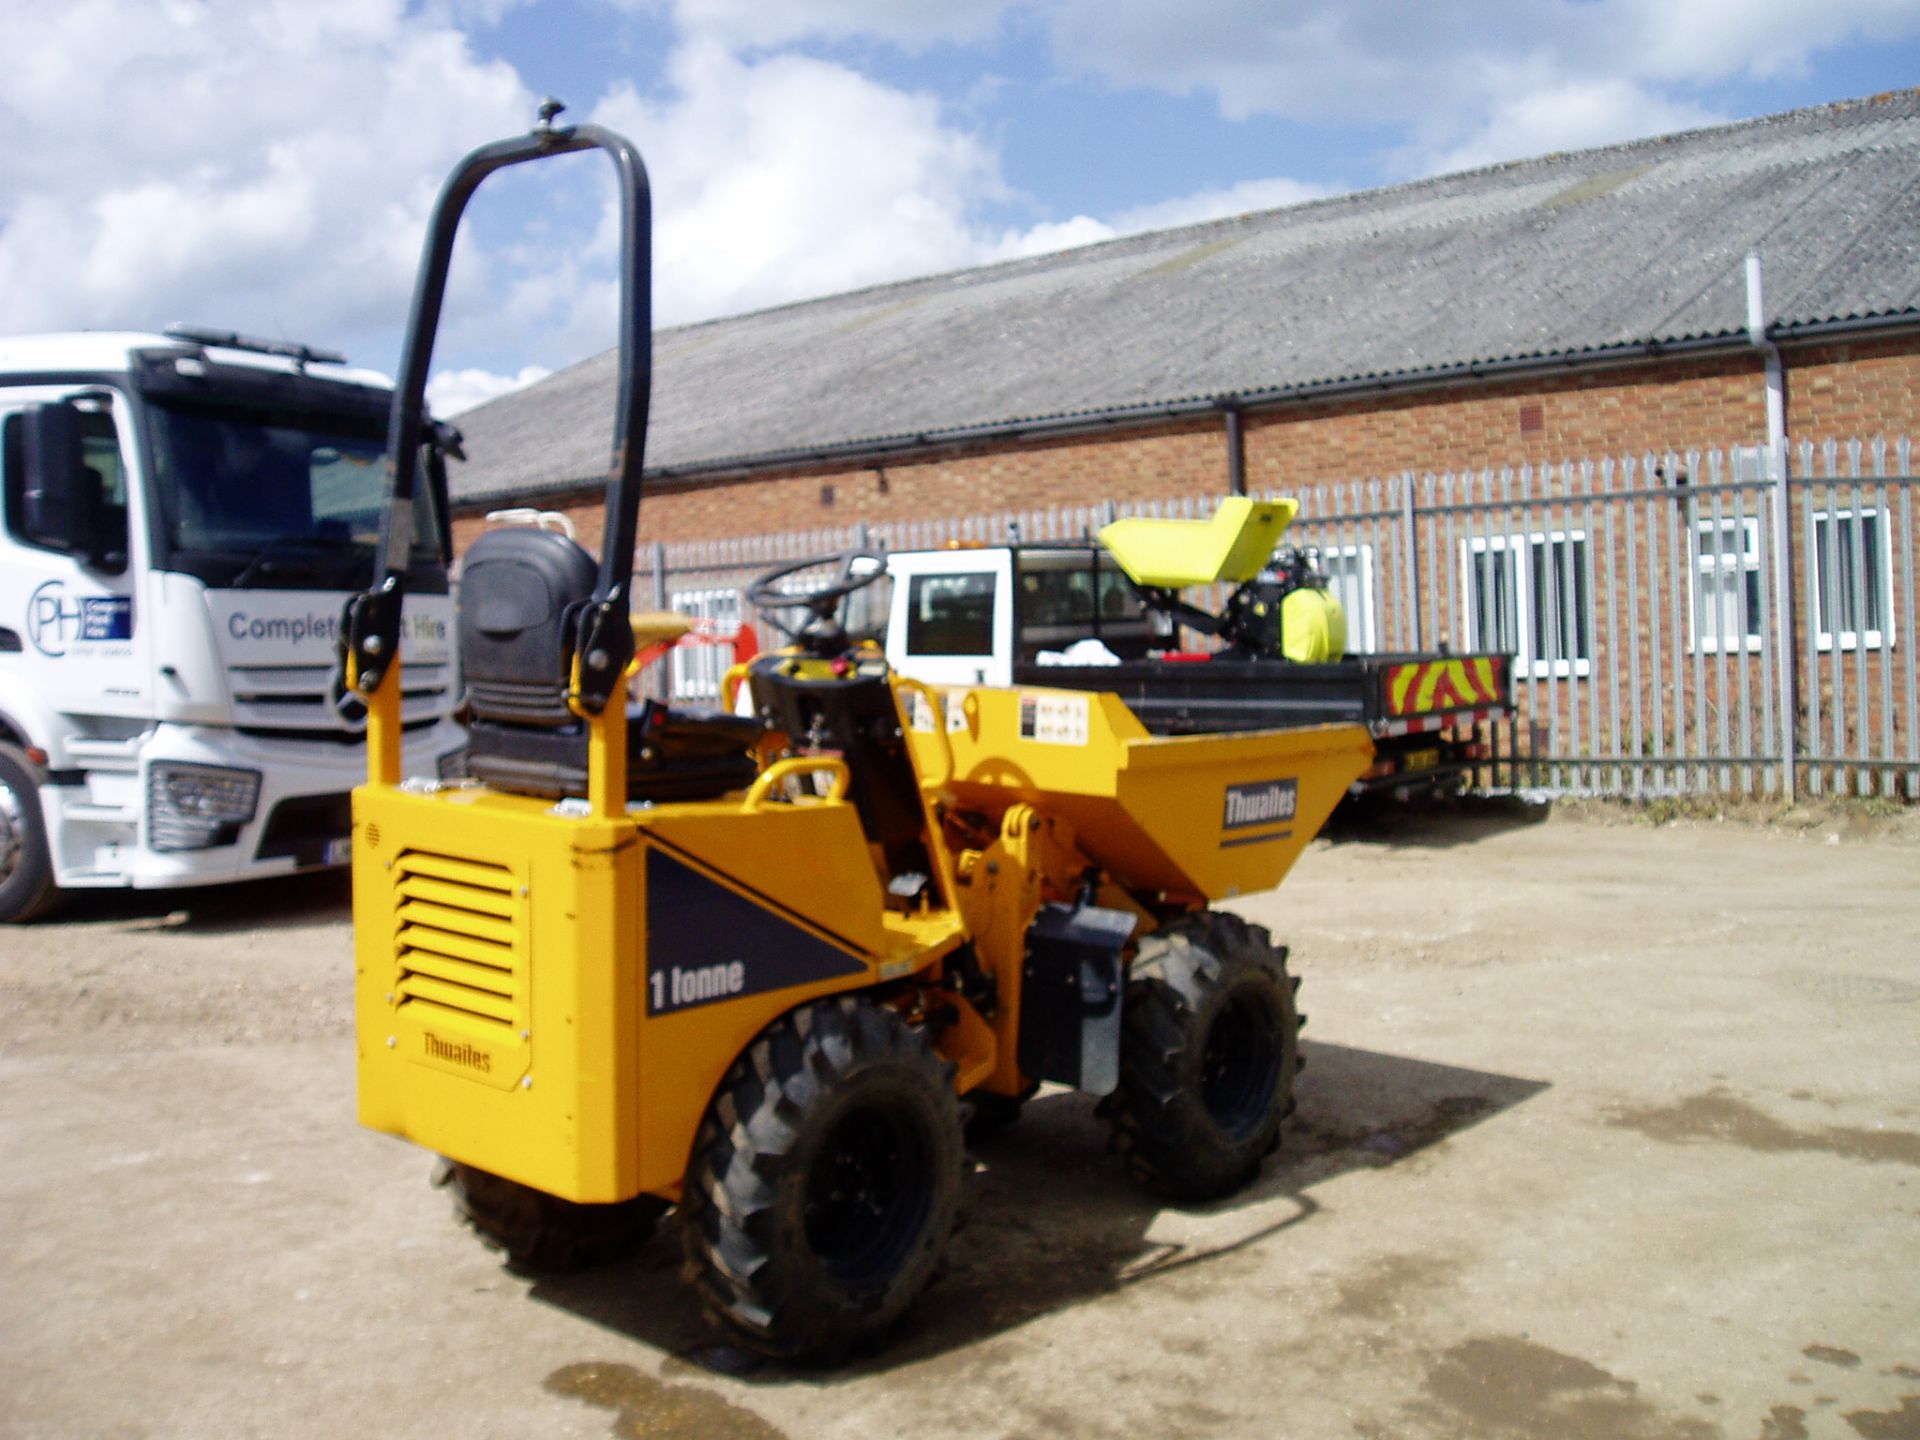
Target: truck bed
<point x="1391" y="694"/>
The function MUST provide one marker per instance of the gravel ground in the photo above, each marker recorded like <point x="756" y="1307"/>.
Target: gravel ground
<point x="1609" y="1131"/>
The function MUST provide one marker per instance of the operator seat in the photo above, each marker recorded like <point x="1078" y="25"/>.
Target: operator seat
<point x="519" y="591"/>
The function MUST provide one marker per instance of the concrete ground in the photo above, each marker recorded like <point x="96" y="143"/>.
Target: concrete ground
<point x="1608" y="1132"/>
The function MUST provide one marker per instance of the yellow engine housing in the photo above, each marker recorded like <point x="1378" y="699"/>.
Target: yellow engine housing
<point x="513" y="1010"/>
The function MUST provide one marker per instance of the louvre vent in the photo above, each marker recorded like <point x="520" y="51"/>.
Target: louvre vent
<point x="460" y="942"/>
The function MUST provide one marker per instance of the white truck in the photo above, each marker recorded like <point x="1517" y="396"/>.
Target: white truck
<point x="182" y="517"/>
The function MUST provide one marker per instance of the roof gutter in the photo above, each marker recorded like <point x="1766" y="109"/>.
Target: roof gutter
<point x="860" y="453"/>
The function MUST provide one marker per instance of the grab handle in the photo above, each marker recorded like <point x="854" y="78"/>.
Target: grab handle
<point x="939" y="712"/>
<point x="782" y="771"/>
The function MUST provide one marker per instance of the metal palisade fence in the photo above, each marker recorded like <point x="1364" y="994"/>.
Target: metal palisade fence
<point x="1687" y="622"/>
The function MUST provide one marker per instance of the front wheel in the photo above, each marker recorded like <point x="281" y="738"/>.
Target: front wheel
<point x="825" y="1180"/>
<point x="26" y="867"/>
<point x="1209" y="1048"/>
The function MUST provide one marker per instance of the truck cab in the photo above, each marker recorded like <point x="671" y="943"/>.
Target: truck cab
<point x="987" y="615"/>
<point x="182" y="516"/>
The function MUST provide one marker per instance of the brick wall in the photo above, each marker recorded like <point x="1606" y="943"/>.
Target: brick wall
<point x="1541" y="421"/>
<point x="1834" y="391"/>
<point x="1838" y="391"/>
<point x="1145" y="464"/>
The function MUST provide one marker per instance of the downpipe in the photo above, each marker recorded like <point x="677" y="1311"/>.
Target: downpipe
<point x="1776" y="372"/>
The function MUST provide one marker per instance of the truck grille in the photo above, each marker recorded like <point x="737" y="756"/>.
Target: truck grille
<point x="290" y="699"/>
<point x="460" y="944"/>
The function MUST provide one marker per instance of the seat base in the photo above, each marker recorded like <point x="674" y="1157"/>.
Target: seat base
<point x="683" y="752"/>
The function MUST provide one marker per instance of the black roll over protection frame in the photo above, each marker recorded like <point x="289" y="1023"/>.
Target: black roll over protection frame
<point x="600" y="634"/>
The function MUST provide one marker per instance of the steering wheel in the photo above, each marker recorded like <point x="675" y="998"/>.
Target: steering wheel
<point x="821" y="631"/>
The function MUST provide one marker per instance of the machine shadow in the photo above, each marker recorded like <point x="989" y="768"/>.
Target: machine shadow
<point x="1050" y="1219"/>
<point x="312" y="897"/>
<point x="1435" y="823"/>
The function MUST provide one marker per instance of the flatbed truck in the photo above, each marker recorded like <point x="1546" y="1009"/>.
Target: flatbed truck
<point x="1023" y="614"/>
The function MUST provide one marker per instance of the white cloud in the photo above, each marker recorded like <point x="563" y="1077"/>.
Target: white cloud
<point x="786" y="177"/>
<point x="745" y="24"/>
<point x="1471" y="81"/>
<point x="1049" y="236"/>
<point x="267" y="165"/>
<point x="264" y="165"/>
<point x="1217" y="204"/>
<point x="1194" y="209"/>
<point x="463" y="14"/>
<point x="1331" y="63"/>
<point x="1570" y="116"/>
<point x="454" y="392"/>
<point x="1718" y="39"/>
<point x="789" y="176"/>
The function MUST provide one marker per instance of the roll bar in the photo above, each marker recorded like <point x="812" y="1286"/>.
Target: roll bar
<point x="600" y="636"/>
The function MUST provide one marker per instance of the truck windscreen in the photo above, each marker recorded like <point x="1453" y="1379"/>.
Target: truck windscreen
<point x="271" y="499"/>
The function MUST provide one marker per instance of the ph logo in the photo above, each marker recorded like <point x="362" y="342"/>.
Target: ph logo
<point x="54" y="622"/>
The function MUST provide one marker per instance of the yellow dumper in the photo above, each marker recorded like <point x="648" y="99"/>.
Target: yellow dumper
<point x="765" y="968"/>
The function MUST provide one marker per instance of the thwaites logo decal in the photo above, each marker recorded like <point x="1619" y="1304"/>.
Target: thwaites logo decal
<point x="1263" y="803"/>
<point x="455" y="1052"/>
<point x="706" y="943"/>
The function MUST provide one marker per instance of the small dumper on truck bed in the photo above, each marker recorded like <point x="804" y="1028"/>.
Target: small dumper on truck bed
<point x="1025" y="614"/>
<point x="759" y="970"/>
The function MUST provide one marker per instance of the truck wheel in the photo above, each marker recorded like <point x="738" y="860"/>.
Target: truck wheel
<point x="538" y="1231"/>
<point x="1209" y="1048"/>
<point x="824" y="1181"/>
<point x="26" y="869"/>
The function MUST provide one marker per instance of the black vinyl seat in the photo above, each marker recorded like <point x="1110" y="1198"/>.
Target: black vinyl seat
<point x="519" y="589"/>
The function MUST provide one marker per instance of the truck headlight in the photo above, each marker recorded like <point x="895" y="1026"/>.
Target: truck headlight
<point x="196" y="807"/>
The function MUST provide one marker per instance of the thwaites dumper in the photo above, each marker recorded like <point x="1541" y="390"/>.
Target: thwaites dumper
<point x="763" y="969"/>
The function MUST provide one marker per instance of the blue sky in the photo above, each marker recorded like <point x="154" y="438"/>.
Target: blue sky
<point x="268" y="164"/>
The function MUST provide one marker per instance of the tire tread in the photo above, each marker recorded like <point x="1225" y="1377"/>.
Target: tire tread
<point x="1159" y="1122"/>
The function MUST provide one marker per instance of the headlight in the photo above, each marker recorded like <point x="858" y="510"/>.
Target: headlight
<point x="196" y="807"/>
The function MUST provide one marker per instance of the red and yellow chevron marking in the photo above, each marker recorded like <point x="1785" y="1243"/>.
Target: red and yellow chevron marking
<point x="1442" y="685"/>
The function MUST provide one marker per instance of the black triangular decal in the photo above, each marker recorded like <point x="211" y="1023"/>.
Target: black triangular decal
<point x="706" y="943"/>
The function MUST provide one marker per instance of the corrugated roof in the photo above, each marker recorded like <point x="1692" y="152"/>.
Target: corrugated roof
<point x="1627" y="245"/>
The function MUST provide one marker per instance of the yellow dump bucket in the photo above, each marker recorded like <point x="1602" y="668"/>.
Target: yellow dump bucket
<point x="1234" y="545"/>
<point x="1198" y="815"/>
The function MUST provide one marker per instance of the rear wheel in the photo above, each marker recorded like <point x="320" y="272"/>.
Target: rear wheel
<point x="26" y="868"/>
<point x="825" y="1180"/>
<point x="538" y="1231"/>
<point x="1208" y="1053"/>
<point x="987" y="1114"/>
